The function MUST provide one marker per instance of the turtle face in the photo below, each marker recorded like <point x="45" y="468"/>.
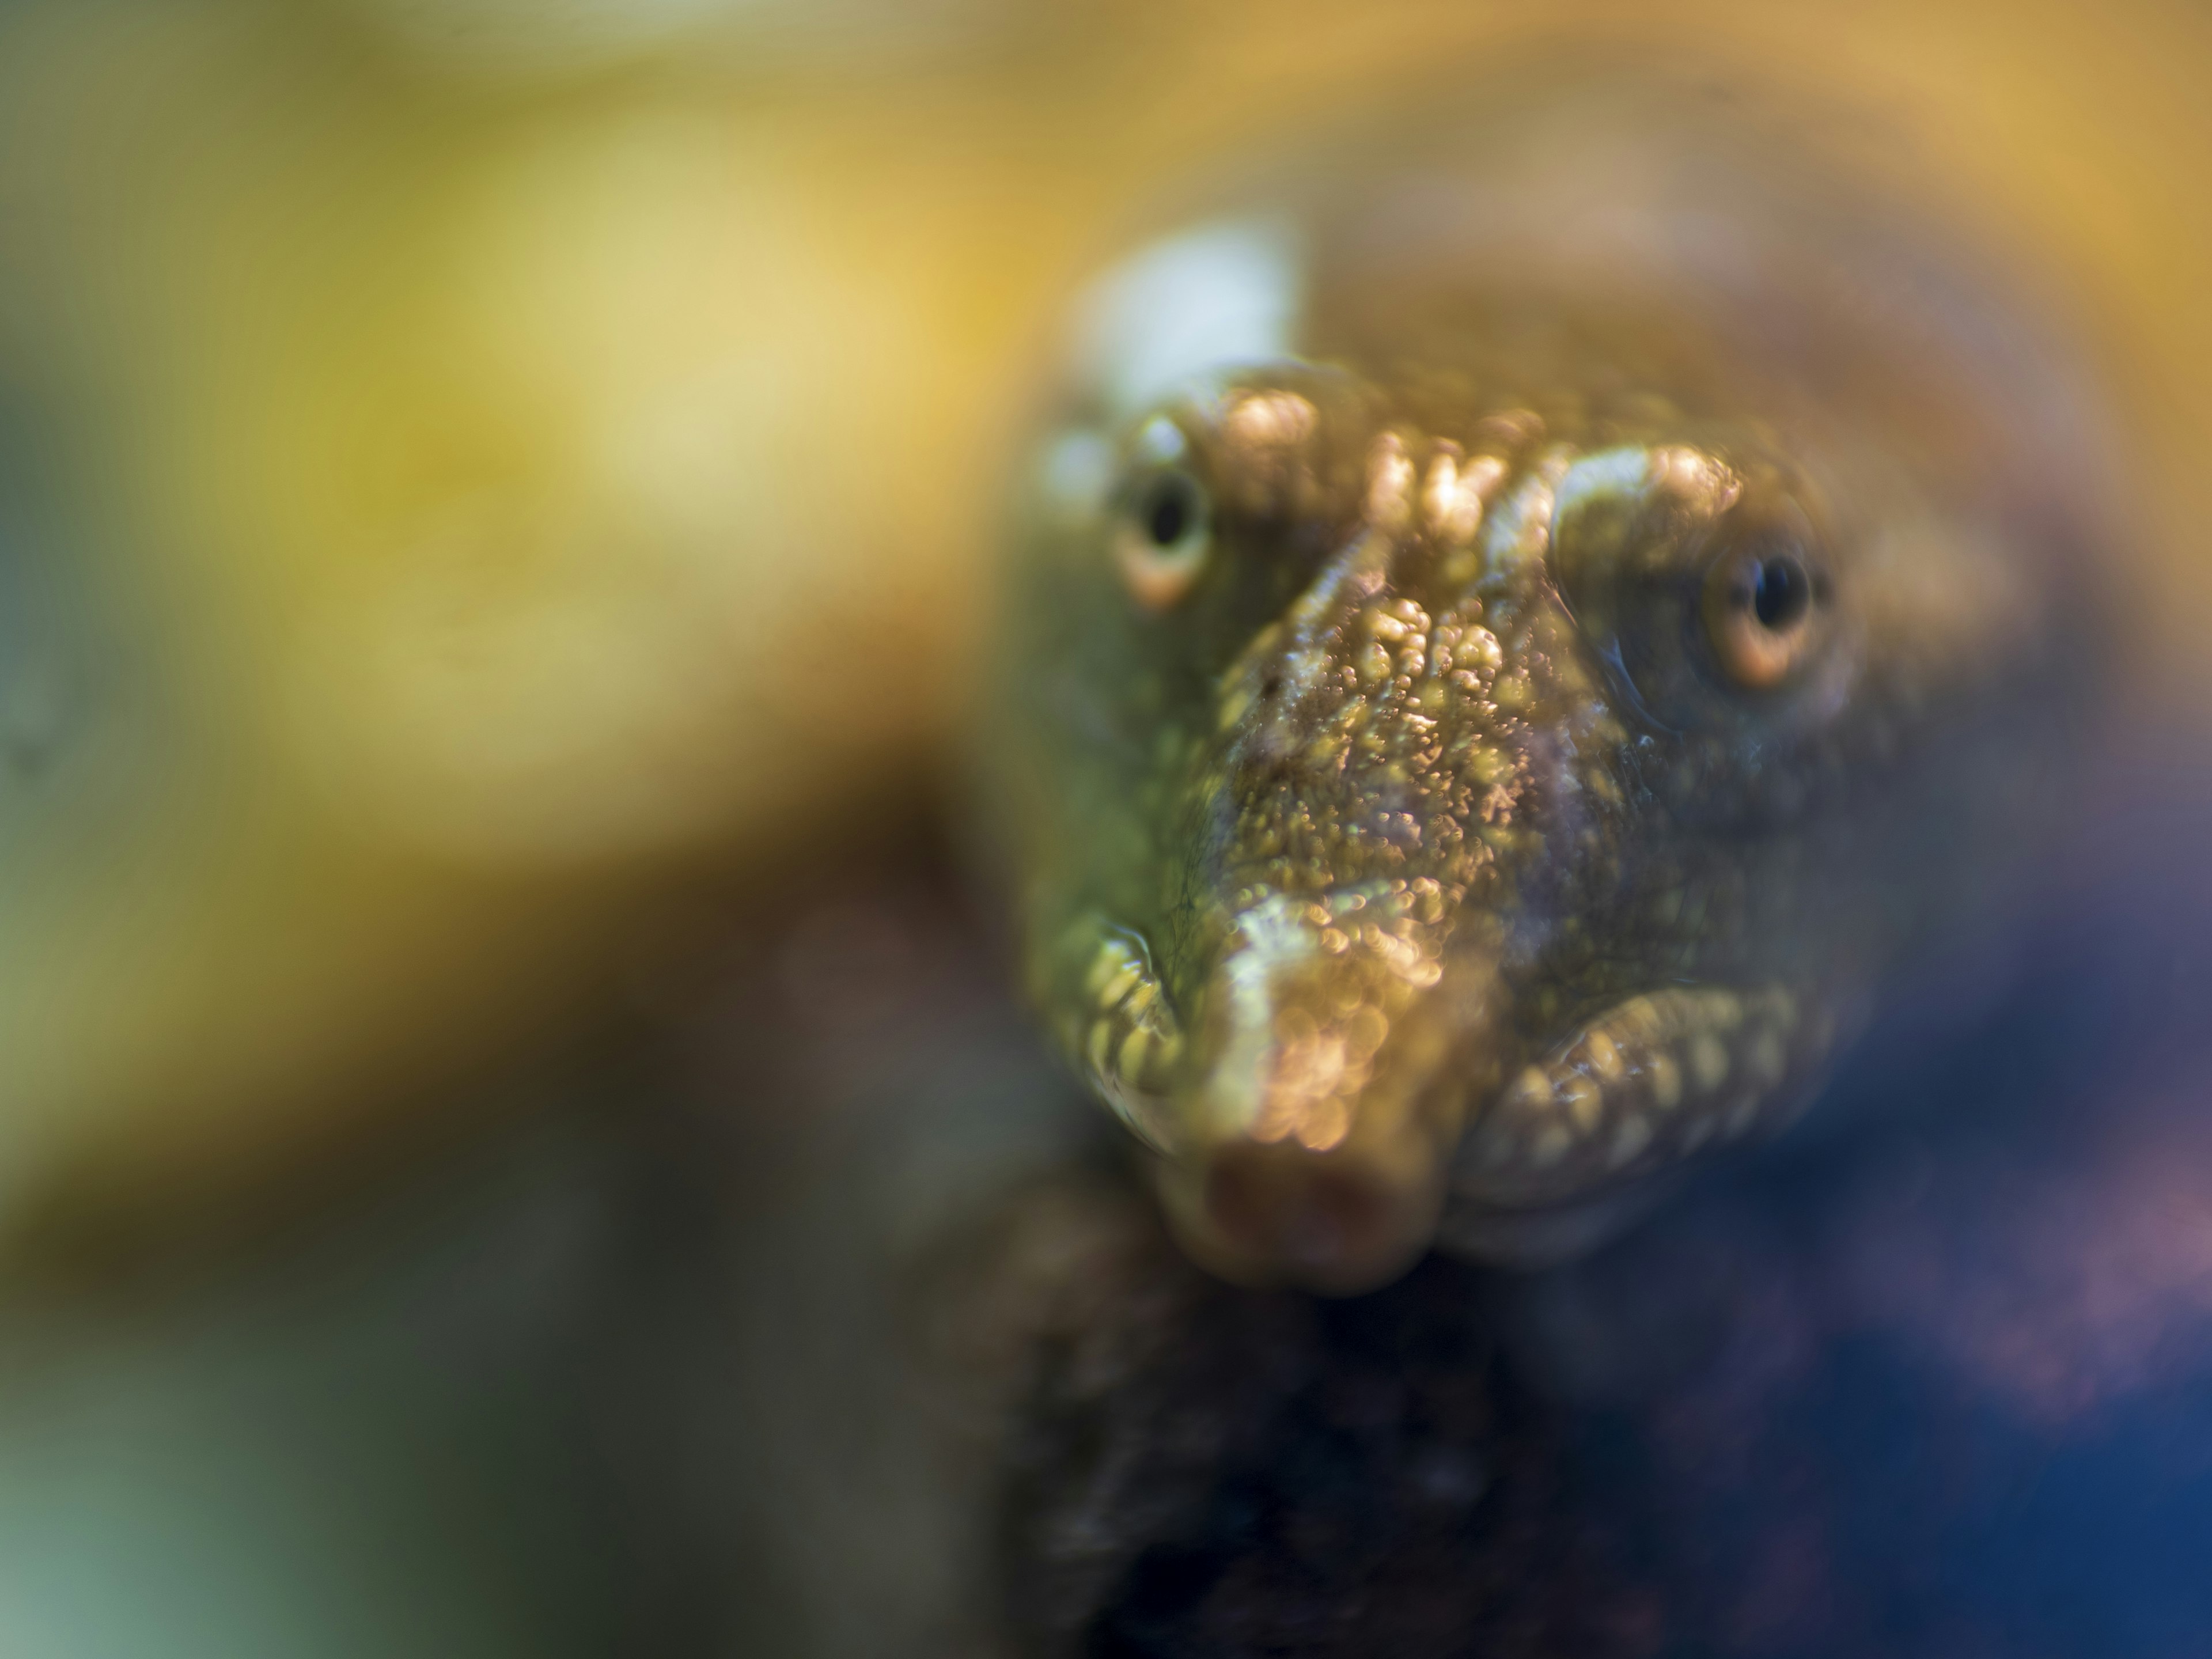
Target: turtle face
<point x="1484" y="757"/>
<point x="1467" y="831"/>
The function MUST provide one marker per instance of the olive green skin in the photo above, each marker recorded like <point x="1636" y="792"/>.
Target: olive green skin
<point x="1403" y="853"/>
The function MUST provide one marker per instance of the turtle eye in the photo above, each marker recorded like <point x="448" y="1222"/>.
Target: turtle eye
<point x="1163" y="518"/>
<point x="1164" y="532"/>
<point x="1760" y="608"/>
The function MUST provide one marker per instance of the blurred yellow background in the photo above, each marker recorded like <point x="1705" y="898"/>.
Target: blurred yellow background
<point x="480" y="468"/>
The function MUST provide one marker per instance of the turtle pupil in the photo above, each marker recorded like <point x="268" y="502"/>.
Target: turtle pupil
<point x="1780" y="593"/>
<point x="1167" y="516"/>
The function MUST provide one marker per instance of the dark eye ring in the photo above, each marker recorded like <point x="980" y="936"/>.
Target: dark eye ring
<point x="1162" y="535"/>
<point x="1759" y="608"/>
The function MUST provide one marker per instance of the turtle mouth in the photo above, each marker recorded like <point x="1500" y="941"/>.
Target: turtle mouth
<point x="1258" y="1213"/>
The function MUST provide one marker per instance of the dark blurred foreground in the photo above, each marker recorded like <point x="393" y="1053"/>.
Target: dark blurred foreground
<point x="898" y="1363"/>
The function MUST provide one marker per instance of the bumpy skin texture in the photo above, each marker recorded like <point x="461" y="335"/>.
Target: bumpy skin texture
<point x="1494" y="743"/>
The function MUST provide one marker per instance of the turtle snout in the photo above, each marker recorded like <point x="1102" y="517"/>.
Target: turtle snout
<point x="1321" y="1106"/>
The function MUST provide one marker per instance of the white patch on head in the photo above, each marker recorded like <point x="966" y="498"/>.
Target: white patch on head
<point x="1224" y="293"/>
